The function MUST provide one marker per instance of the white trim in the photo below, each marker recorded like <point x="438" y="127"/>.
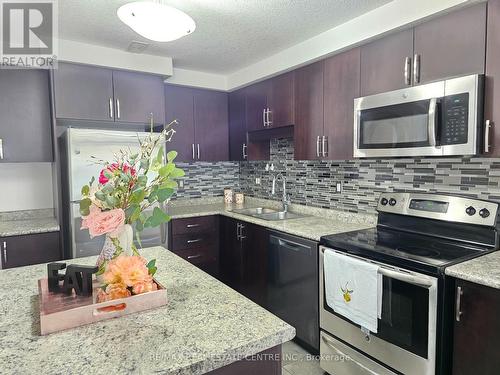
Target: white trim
<point x="186" y="77"/>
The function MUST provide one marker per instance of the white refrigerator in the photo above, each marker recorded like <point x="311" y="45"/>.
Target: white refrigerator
<point x="79" y="150"/>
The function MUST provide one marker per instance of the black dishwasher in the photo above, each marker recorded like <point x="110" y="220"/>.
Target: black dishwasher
<point x="292" y="285"/>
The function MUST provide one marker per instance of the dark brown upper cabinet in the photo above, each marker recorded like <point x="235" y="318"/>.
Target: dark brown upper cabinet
<point x="179" y="105"/>
<point x="475" y="336"/>
<point x="386" y="63"/>
<point x="99" y="94"/>
<point x="341" y="86"/>
<point x="237" y="126"/>
<point x="451" y="45"/>
<point x="492" y="81"/>
<point x="309" y="107"/>
<point x="202" y="133"/>
<point x="447" y="46"/>
<point x="25" y="129"/>
<point x="270" y="104"/>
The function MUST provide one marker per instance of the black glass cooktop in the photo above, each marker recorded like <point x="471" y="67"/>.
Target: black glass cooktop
<point x="401" y="248"/>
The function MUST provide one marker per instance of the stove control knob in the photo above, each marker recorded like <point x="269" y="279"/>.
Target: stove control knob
<point x="484" y="213"/>
<point x="471" y="211"/>
<point x="384" y="201"/>
<point x="392" y="202"/>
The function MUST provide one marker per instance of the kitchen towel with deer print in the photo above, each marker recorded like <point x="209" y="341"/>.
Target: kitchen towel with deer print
<point x="353" y="288"/>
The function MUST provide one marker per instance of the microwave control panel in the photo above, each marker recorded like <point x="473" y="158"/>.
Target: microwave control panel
<point x="455" y="110"/>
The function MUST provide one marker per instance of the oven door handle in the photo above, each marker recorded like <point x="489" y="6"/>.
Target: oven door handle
<point x="407" y="278"/>
<point x="431" y="125"/>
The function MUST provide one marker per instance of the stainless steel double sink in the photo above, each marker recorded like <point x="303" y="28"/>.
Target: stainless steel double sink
<point x="269" y="214"/>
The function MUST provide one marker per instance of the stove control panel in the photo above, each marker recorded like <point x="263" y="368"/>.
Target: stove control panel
<point x="440" y="207"/>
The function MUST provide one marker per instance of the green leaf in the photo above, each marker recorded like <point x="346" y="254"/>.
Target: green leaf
<point x="166" y="170"/>
<point x="169" y="184"/>
<point x="139" y="227"/>
<point x="132" y="212"/>
<point x="137" y="196"/>
<point x="144" y="164"/>
<point x="177" y="172"/>
<point x="151" y="263"/>
<point x="171" y="155"/>
<point x="106" y="189"/>
<point x="100" y="195"/>
<point x="85" y="206"/>
<point x="111" y="201"/>
<point x="152" y="270"/>
<point x="142" y="180"/>
<point x="163" y="194"/>
<point x="157" y="218"/>
<point x="159" y="155"/>
<point x="92" y="180"/>
<point x="85" y="190"/>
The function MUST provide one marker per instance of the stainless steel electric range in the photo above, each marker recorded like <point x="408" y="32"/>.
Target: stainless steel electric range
<point x="416" y="238"/>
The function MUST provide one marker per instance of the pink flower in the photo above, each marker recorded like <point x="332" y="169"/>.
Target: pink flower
<point x="125" y="168"/>
<point x="101" y="222"/>
<point x="144" y="287"/>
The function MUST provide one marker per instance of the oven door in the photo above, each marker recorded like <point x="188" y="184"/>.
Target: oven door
<point x="406" y="338"/>
<point x="398" y="123"/>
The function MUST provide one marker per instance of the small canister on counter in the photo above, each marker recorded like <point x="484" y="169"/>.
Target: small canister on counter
<point x="239" y="198"/>
<point x="228" y="196"/>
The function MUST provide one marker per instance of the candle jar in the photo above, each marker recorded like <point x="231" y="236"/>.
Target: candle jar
<point x="228" y="196"/>
<point x="239" y="198"/>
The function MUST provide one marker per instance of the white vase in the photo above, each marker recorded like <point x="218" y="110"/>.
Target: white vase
<point x="125" y="239"/>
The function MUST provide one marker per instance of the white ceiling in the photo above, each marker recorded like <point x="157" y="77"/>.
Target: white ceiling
<point x="230" y="34"/>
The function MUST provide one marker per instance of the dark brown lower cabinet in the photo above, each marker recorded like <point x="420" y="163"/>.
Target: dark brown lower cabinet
<point x="267" y="362"/>
<point x="18" y="251"/>
<point x="243" y="258"/>
<point x="196" y="240"/>
<point x="476" y="339"/>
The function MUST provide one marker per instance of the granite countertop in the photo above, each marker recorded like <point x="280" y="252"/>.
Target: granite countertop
<point x="18" y="223"/>
<point x="206" y="325"/>
<point x="484" y="270"/>
<point x="318" y="223"/>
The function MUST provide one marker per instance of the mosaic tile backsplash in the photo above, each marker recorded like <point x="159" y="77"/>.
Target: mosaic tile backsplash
<point x="314" y="183"/>
<point x="208" y="179"/>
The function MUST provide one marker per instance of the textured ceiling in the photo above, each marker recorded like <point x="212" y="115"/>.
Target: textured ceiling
<point x="229" y="35"/>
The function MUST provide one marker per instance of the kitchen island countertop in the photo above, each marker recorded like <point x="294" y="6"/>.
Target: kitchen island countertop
<point x="205" y="325"/>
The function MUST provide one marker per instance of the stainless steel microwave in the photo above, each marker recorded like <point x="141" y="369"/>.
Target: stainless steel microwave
<point x="436" y="119"/>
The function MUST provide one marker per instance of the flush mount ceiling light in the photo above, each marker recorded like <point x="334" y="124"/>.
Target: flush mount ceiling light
<point x="156" y="21"/>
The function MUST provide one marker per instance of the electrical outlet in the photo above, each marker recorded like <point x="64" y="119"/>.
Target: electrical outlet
<point x="339" y="187"/>
<point x="257" y="181"/>
<point x="181" y="184"/>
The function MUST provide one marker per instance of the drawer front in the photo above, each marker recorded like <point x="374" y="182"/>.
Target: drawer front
<point x="193" y="241"/>
<point x="194" y="225"/>
<point x="200" y="256"/>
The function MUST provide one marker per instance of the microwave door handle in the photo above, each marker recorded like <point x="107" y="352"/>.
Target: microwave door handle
<point x="431" y="125"/>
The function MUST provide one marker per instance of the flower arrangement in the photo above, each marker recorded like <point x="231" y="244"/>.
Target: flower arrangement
<point x="129" y="194"/>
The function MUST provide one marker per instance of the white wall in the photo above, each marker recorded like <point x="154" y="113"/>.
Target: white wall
<point x="25" y="186"/>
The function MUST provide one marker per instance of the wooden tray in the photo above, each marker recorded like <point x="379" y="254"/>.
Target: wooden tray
<point x="60" y="311"/>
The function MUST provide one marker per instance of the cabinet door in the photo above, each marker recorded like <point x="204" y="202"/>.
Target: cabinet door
<point x="383" y="63"/>
<point x="492" y="81"/>
<point x="476" y="340"/>
<point x="341" y="86"/>
<point x="281" y="100"/>
<point x="26" y="126"/>
<point x="237" y="126"/>
<point x="231" y="254"/>
<point x="211" y="125"/>
<point x="83" y="92"/>
<point x="256" y="105"/>
<point x="308" y="128"/>
<point x="452" y="45"/>
<point x="138" y="96"/>
<point x="20" y="251"/>
<point x="255" y="240"/>
<point x="179" y="105"/>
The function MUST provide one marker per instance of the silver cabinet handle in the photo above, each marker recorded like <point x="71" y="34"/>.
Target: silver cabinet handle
<point x="193" y="151"/>
<point x="1" y="148"/>
<point x="242" y="237"/>
<point x="238" y="231"/>
<point x="317" y="146"/>
<point x="111" y="107"/>
<point x="194" y="256"/>
<point x="244" y="151"/>
<point x="117" y="108"/>
<point x="192" y="225"/>
<point x="198" y="151"/>
<point x="264" y="117"/>
<point x="195" y="241"/>
<point x="324" y="146"/>
<point x="407" y="69"/>
<point x="487" y="145"/>
<point x="5" y="251"/>
<point x="458" y="301"/>
<point x="431" y="125"/>
<point x="268" y="117"/>
<point x="416" y="68"/>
